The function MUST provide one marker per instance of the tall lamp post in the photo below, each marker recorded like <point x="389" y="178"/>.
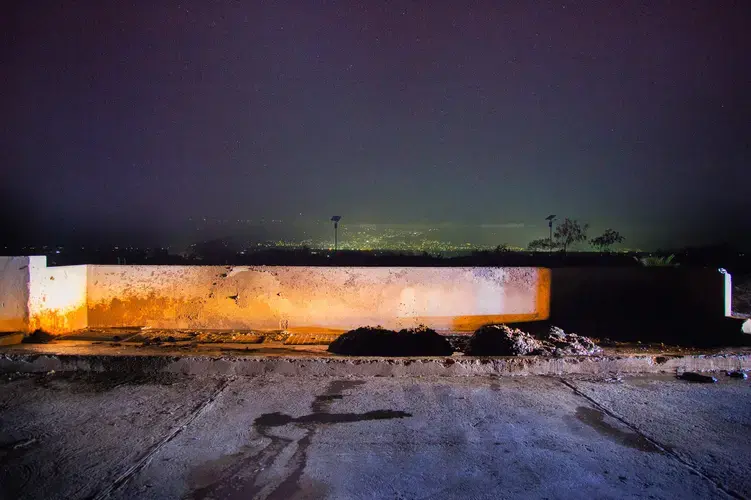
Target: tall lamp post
<point x="335" y="219"/>
<point x="550" y="219"/>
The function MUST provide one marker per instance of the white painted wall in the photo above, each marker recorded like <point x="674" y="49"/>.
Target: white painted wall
<point x="14" y="293"/>
<point x="728" y="292"/>
<point x="57" y="297"/>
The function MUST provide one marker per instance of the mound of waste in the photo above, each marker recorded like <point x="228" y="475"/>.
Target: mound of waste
<point x="38" y="336"/>
<point x="370" y="341"/>
<point x="502" y="340"/>
<point x="569" y="344"/>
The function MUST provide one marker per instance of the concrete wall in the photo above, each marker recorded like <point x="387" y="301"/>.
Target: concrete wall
<point x="62" y="299"/>
<point x="57" y="297"/>
<point x="33" y="295"/>
<point x="314" y="298"/>
<point x="619" y="303"/>
<point x="649" y="303"/>
<point x="14" y="293"/>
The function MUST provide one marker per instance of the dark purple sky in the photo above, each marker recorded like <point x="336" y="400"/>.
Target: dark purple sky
<point x="125" y="117"/>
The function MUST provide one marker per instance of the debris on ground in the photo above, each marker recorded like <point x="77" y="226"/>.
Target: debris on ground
<point x="459" y="343"/>
<point x="38" y="336"/>
<point x="606" y="342"/>
<point x="738" y="374"/>
<point x="598" y="378"/>
<point x="376" y="341"/>
<point x="276" y="336"/>
<point x="157" y="337"/>
<point x="697" y="377"/>
<point x="570" y="344"/>
<point x="311" y="338"/>
<point x="503" y="340"/>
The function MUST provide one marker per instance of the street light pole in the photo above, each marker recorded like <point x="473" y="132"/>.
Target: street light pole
<point x="336" y="220"/>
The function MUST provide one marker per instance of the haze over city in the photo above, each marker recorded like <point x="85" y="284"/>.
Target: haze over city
<point x="125" y="122"/>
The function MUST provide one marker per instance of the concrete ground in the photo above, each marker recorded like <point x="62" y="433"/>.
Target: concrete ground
<point x="93" y="435"/>
<point x="276" y="358"/>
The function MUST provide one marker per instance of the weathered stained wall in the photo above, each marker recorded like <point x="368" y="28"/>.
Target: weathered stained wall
<point x="57" y="297"/>
<point x="314" y="298"/>
<point x="14" y="293"/>
<point x="625" y="303"/>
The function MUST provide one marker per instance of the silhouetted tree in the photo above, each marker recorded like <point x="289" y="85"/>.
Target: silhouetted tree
<point x="607" y="240"/>
<point x="569" y="232"/>
<point x="542" y="245"/>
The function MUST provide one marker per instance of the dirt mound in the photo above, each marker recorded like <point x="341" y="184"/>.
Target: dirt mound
<point x="561" y="343"/>
<point x="458" y="343"/>
<point x="502" y="340"/>
<point x="369" y="341"/>
<point x="38" y="337"/>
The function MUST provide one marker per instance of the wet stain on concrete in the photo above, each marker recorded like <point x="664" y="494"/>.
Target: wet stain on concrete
<point x="333" y="393"/>
<point x="323" y="401"/>
<point x="279" y="419"/>
<point x="238" y="475"/>
<point x="596" y="419"/>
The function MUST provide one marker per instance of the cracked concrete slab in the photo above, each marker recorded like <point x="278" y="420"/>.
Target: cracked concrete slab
<point x="708" y="426"/>
<point x="346" y="437"/>
<point x="66" y="436"/>
<point x="411" y="438"/>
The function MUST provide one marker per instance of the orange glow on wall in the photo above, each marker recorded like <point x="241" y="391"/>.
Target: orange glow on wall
<point x="314" y="298"/>
<point x="298" y="299"/>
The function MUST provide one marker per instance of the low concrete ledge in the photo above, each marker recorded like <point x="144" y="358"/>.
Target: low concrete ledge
<point x="266" y="298"/>
<point x="455" y="366"/>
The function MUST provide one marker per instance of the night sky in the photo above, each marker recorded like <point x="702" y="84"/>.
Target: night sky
<point x="126" y="118"/>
